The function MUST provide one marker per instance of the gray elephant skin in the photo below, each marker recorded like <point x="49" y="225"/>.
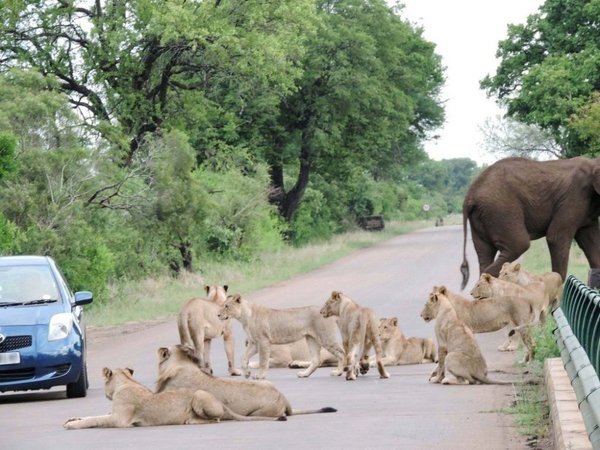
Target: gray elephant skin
<point x="516" y="200"/>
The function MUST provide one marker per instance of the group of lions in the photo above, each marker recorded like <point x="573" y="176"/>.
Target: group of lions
<point x="306" y="337"/>
<point x="516" y="298"/>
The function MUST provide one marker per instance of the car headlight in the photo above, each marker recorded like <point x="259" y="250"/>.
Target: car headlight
<point x="60" y="326"/>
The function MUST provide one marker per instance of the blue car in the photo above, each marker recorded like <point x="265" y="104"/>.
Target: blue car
<point x="42" y="334"/>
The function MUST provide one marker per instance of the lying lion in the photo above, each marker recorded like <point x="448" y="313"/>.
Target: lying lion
<point x="359" y="328"/>
<point x="458" y="352"/>
<point x="492" y="314"/>
<point x="133" y="404"/>
<point x="198" y="324"/>
<point x="553" y="282"/>
<point x="178" y="369"/>
<point x="266" y="326"/>
<point x="295" y="356"/>
<point x="399" y="350"/>
<point x="535" y="293"/>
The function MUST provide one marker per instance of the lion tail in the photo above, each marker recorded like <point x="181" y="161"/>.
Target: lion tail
<point x="485" y="380"/>
<point x="235" y="416"/>
<point x="184" y="329"/>
<point x="327" y="409"/>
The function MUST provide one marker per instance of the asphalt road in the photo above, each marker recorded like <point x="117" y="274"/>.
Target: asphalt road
<point x="402" y="412"/>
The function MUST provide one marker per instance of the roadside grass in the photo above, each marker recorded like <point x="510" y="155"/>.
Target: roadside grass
<point x="161" y="297"/>
<point x="531" y="409"/>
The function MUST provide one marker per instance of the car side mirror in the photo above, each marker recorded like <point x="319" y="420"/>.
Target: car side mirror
<point x="83" y="298"/>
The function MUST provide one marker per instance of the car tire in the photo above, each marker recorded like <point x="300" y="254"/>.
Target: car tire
<point x="78" y="389"/>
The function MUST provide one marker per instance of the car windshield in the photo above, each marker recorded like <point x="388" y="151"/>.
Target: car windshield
<point x="27" y="285"/>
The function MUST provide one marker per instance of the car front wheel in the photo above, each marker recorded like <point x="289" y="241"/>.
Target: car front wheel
<point x="78" y="389"/>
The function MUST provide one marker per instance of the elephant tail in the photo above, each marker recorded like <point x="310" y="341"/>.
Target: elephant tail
<point x="464" y="267"/>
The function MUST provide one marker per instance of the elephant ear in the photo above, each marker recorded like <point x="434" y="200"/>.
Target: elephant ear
<point x="596" y="177"/>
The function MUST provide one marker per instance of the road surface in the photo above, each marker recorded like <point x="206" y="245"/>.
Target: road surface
<point x="403" y="412"/>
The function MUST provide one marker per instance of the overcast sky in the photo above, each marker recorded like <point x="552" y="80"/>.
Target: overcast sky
<point x="466" y="34"/>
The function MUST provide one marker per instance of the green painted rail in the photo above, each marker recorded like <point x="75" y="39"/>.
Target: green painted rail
<point x="577" y="334"/>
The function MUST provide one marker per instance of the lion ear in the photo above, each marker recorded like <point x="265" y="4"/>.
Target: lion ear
<point x="237" y="298"/>
<point x="487" y="277"/>
<point x="206" y="288"/>
<point x="394" y="321"/>
<point x="336" y="295"/>
<point x="443" y="290"/>
<point x="163" y="353"/>
<point x="127" y="369"/>
<point x="517" y="267"/>
<point x="225" y="287"/>
<point x="107" y="373"/>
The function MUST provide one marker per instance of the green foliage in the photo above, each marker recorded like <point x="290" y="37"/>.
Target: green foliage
<point x="549" y="71"/>
<point x="8" y="163"/>
<point x="138" y="136"/>
<point x="239" y="221"/>
<point x="8" y="236"/>
<point x="313" y="221"/>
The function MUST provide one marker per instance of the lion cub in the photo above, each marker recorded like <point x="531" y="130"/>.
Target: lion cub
<point x="534" y="293"/>
<point x="360" y="331"/>
<point x="133" y="404"/>
<point x="458" y="351"/>
<point x="399" y="350"/>
<point x="553" y="282"/>
<point x="266" y="326"/>
<point x="198" y="324"/>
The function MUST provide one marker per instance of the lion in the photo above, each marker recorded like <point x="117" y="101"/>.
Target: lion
<point x="535" y="293"/>
<point x="198" y="324"/>
<point x="459" y="354"/>
<point x="399" y="350"/>
<point x="492" y="314"/>
<point x="295" y="356"/>
<point x="553" y="282"/>
<point x="134" y="405"/>
<point x="359" y="328"/>
<point x="266" y="326"/>
<point x="178" y="369"/>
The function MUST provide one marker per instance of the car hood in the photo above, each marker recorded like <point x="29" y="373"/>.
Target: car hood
<point x="29" y="315"/>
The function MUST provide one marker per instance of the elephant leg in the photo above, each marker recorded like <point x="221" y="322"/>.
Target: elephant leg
<point x="507" y="254"/>
<point x="486" y="252"/>
<point x="559" y="245"/>
<point x="588" y="239"/>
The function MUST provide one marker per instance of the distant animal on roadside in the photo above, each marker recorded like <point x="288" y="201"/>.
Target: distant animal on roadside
<point x="534" y="292"/>
<point x="134" y="405"/>
<point x="460" y="360"/>
<point x="359" y="328"/>
<point x="294" y="356"/>
<point x="516" y="200"/>
<point x="553" y="282"/>
<point x="492" y="314"/>
<point x="198" y="324"/>
<point x="178" y="369"/>
<point x="399" y="350"/>
<point x="266" y="326"/>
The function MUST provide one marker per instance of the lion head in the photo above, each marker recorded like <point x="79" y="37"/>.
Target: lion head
<point x="483" y="287"/>
<point x="332" y="305"/>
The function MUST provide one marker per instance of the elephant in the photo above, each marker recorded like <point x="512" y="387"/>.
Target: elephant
<point x="516" y="200"/>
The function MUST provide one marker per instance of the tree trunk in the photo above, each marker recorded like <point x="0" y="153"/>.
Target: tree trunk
<point x="288" y="202"/>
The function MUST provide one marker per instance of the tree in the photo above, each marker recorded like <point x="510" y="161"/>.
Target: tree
<point x="506" y="137"/>
<point x="549" y="70"/>
<point x="367" y="96"/>
<point x="124" y="64"/>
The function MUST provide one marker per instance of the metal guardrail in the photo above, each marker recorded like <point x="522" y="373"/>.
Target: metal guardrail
<point x="578" y="337"/>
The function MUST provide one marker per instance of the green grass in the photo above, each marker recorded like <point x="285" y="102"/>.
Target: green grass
<point x="163" y="296"/>
<point x="531" y="409"/>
